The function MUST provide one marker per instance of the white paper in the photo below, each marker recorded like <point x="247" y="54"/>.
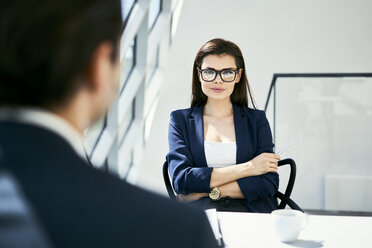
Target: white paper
<point x="212" y="217"/>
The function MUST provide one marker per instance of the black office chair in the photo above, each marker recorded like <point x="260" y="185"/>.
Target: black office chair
<point x="284" y="198"/>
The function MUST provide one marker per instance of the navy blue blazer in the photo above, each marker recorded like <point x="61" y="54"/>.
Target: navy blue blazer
<point x="188" y="166"/>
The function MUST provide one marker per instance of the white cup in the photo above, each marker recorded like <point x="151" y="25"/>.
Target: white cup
<point x="288" y="223"/>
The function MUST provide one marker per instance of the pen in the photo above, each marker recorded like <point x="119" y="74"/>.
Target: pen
<point x="284" y="148"/>
<point x="220" y="241"/>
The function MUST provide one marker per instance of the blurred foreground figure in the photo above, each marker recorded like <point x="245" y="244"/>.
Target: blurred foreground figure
<point x="59" y="71"/>
<point x="18" y="225"/>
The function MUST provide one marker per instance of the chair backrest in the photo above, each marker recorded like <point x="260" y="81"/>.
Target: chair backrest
<point x="284" y="198"/>
<point x="167" y="181"/>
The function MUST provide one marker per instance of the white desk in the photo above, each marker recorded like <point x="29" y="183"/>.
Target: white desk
<point x="255" y="230"/>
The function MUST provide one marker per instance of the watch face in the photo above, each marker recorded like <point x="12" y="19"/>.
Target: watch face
<point x="214" y="194"/>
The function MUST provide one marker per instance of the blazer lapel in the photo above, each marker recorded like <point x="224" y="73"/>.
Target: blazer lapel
<point x="196" y="134"/>
<point x="241" y="135"/>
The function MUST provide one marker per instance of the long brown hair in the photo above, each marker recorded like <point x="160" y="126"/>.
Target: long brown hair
<point x="241" y="89"/>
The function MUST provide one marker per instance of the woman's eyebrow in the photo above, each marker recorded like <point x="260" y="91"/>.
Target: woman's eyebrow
<point x="230" y="68"/>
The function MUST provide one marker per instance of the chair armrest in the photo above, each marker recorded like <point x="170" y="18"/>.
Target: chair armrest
<point x="291" y="180"/>
<point x="287" y="201"/>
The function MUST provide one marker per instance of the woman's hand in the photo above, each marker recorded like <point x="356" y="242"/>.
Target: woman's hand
<point x="263" y="163"/>
<point x="191" y="197"/>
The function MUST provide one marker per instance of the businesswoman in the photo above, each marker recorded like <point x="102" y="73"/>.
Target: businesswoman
<point x="221" y="150"/>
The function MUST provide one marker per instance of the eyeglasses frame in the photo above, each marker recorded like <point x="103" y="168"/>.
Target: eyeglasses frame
<point x="218" y="73"/>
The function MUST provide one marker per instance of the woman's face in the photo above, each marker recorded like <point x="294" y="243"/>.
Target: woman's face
<point x="218" y="89"/>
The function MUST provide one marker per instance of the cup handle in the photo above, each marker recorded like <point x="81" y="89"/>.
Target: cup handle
<point x="305" y="221"/>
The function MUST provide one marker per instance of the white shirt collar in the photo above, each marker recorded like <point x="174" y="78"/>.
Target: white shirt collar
<point x="49" y="121"/>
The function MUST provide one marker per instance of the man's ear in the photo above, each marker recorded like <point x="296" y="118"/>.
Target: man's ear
<point x="99" y="69"/>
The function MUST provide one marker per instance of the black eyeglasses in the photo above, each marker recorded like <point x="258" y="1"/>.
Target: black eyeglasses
<point x="228" y="75"/>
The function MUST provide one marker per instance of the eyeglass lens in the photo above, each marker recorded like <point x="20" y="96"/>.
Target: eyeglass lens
<point x="226" y="75"/>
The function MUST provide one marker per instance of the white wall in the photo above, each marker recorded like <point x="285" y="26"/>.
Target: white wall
<point x="274" y="36"/>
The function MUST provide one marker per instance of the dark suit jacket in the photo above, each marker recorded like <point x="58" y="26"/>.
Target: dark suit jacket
<point x="188" y="167"/>
<point x="80" y="206"/>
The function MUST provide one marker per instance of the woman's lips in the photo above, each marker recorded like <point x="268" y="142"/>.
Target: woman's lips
<point x="218" y="90"/>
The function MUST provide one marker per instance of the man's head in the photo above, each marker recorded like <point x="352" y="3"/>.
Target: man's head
<point x="51" y="51"/>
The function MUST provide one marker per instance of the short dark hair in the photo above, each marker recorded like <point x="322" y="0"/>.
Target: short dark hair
<point x="218" y="47"/>
<point x="46" y="46"/>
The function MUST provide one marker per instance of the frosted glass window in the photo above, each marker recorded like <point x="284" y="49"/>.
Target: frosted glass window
<point x="154" y="11"/>
<point x="328" y="123"/>
<point x="128" y="64"/>
<point x="126" y="8"/>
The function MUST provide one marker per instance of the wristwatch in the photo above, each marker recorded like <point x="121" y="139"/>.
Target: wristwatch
<point x="215" y="194"/>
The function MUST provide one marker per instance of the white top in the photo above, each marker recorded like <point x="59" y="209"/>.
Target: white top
<point x="49" y="121"/>
<point x="220" y="154"/>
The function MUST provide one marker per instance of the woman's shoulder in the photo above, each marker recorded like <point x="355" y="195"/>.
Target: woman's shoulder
<point x="252" y="112"/>
<point x="195" y="110"/>
<point x="180" y="116"/>
<point x="181" y="112"/>
<point x="254" y="115"/>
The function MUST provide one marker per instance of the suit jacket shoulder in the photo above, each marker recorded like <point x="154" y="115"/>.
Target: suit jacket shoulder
<point x="180" y="115"/>
<point x="81" y="206"/>
<point x="253" y="114"/>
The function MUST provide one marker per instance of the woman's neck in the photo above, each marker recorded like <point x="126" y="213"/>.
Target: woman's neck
<point x="218" y="108"/>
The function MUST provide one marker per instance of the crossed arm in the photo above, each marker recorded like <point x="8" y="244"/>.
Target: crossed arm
<point x="225" y="178"/>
